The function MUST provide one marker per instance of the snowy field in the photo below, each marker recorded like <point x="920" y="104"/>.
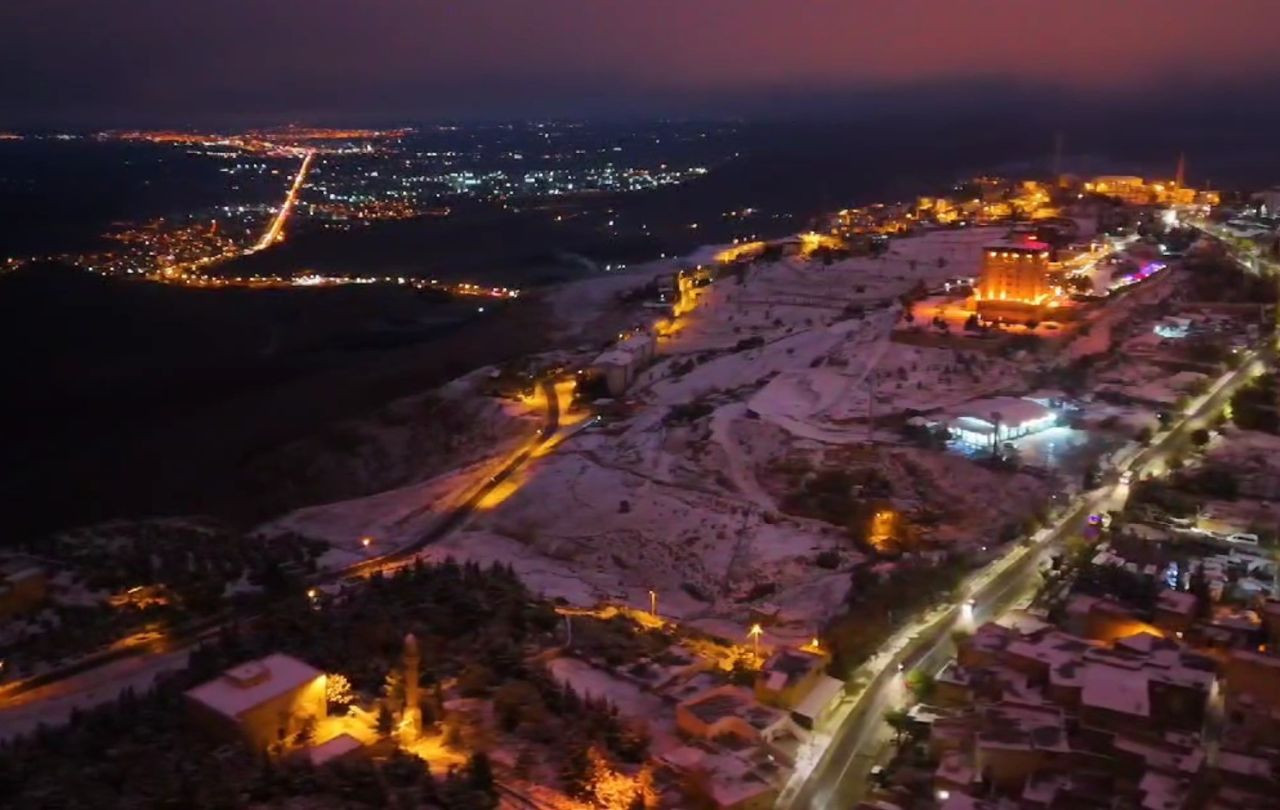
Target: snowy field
<point x="778" y="369"/>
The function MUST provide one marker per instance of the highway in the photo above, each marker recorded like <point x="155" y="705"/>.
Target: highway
<point x="836" y="775"/>
<point x="275" y="231"/>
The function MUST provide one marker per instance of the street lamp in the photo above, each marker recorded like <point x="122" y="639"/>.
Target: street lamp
<point x="365" y="541"/>
<point x="653" y="603"/>
<point x="755" y="632"/>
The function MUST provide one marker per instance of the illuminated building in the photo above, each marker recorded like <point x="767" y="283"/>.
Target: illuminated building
<point x="990" y="422"/>
<point x="1269" y="201"/>
<point x="1130" y="188"/>
<point x="1014" y="281"/>
<point x="263" y="702"/>
<point x="619" y="365"/>
<point x="1134" y="190"/>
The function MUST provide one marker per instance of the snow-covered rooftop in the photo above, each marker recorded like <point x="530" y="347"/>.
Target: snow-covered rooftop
<point x="1012" y="410"/>
<point x="254" y="682"/>
<point x="332" y="749"/>
<point x="1116" y="689"/>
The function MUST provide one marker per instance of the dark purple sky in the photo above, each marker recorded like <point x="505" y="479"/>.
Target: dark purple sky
<point x="185" y="60"/>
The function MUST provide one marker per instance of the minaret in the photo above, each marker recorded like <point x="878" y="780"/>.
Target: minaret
<point x="1179" y="179"/>
<point x="411" y="719"/>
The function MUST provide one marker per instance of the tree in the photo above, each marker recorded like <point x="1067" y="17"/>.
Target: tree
<point x="480" y="772"/>
<point x="393" y="688"/>
<point x="575" y="770"/>
<point x="1091" y="475"/>
<point x="920" y="683"/>
<point x="337" y="690"/>
<point x="900" y="721"/>
<point x="386" y="720"/>
<point x="475" y="680"/>
<point x="515" y="702"/>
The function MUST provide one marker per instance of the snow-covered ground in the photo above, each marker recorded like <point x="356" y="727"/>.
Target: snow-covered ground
<point x="632" y="702"/>
<point x="494" y="429"/>
<point x="778" y="367"/>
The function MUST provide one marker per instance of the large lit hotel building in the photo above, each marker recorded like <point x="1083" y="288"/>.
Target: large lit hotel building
<point x="1013" y="284"/>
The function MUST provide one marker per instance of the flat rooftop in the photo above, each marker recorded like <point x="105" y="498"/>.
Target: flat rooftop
<point x="253" y="683"/>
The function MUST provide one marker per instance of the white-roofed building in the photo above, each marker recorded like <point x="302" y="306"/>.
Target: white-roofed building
<point x="264" y="701"/>
<point x="990" y="422"/>
<point x="619" y="365"/>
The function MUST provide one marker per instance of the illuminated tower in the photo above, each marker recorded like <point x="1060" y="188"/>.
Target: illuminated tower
<point x="411" y="720"/>
<point x="1179" y="178"/>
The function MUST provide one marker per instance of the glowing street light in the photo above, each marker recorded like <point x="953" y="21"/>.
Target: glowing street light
<point x="653" y="602"/>
<point x="366" y="541"/>
<point x="755" y="632"/>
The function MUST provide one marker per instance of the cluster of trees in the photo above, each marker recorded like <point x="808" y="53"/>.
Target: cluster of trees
<point x="188" y="565"/>
<point x="1215" y="276"/>
<point x="847" y="498"/>
<point x="877" y="604"/>
<point x="194" y="562"/>
<point x="1253" y="407"/>
<point x="929" y="437"/>
<point x="473" y="624"/>
<point x="1131" y="587"/>
<point x="138" y="752"/>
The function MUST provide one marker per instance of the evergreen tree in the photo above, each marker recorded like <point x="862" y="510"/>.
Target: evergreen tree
<point x="386" y="720"/>
<point x="575" y="771"/>
<point x="480" y="772"/>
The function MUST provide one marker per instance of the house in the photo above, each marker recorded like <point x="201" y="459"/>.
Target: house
<point x="729" y="711"/>
<point x="1175" y="611"/>
<point x="788" y="675"/>
<point x="22" y="589"/>
<point x="727" y="777"/>
<point x="263" y="702"/>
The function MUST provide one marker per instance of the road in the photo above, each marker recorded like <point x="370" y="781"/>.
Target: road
<point x="275" y="230"/>
<point x="100" y="676"/>
<point x="835" y="776"/>
<point x="548" y="435"/>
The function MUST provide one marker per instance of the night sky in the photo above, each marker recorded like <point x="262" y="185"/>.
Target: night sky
<point x="175" y="61"/>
